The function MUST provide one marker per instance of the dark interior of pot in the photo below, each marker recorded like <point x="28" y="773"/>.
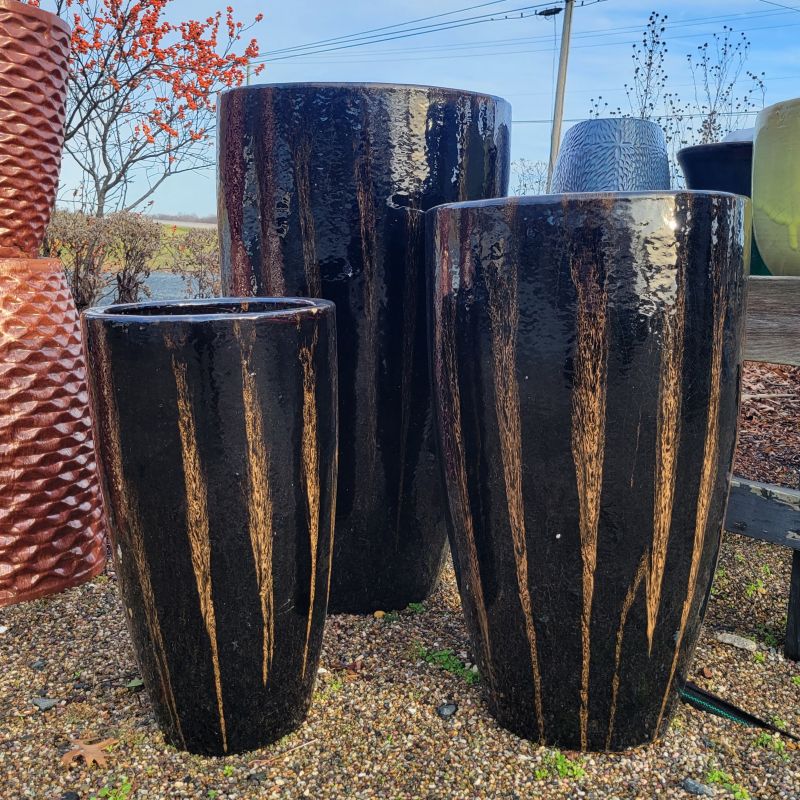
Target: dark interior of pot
<point x="211" y="307"/>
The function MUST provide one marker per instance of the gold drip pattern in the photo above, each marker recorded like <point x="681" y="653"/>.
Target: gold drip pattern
<point x="667" y="439"/>
<point x="197" y="527"/>
<point x="503" y="306"/>
<point x="302" y="161"/>
<point x="708" y="473"/>
<point x="259" y="499"/>
<point x="641" y="571"/>
<point x="588" y="439"/>
<point x="445" y="366"/>
<point x="128" y="519"/>
<point x="310" y="472"/>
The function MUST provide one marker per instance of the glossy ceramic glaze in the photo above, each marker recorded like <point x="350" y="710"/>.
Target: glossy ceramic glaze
<point x="722" y="167"/>
<point x="586" y="358"/>
<point x="617" y="154"/>
<point x="51" y="513"/>
<point x="34" y="62"/>
<point x="216" y="426"/>
<point x="320" y="192"/>
<point x="776" y="187"/>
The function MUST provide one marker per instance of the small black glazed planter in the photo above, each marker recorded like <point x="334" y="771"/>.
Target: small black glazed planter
<point x="321" y="189"/>
<point x="723" y="167"/>
<point x="216" y="423"/>
<point x="585" y="360"/>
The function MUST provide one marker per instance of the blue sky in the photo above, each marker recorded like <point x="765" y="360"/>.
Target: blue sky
<point x="514" y="58"/>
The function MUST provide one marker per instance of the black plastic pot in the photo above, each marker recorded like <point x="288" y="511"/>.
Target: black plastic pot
<point x="320" y="192"/>
<point x="586" y="362"/>
<point x="723" y="167"/>
<point x="216" y="426"/>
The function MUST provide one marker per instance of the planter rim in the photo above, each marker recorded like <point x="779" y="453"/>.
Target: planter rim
<point x="582" y="198"/>
<point x="711" y="147"/>
<point x="637" y="120"/>
<point x="793" y="102"/>
<point x="408" y="87"/>
<point x="18" y="7"/>
<point x="215" y="309"/>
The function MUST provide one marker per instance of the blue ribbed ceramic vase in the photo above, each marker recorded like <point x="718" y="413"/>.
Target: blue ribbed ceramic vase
<point x="618" y="154"/>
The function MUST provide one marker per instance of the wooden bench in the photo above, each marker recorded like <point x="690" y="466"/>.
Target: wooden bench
<point x="760" y="510"/>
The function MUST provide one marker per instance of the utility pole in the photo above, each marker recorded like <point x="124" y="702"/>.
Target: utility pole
<point x="558" y="111"/>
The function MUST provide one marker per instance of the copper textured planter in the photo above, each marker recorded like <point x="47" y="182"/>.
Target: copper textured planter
<point x="34" y="61"/>
<point x="320" y="192"/>
<point x="51" y="517"/>
<point x="586" y="362"/>
<point x="216" y="424"/>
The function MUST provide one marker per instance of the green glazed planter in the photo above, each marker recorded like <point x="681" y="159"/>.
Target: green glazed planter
<point x="776" y="187"/>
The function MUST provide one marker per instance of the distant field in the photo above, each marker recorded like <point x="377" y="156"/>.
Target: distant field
<point x="173" y="232"/>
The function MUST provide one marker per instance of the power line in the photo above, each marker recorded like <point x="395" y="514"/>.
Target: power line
<point x="406" y="33"/>
<point x="507" y="53"/>
<point x="386" y="27"/>
<point x="653" y="116"/>
<point x="354" y="40"/>
<point x="582" y="35"/>
<point x="780" y="5"/>
<point x="603" y="90"/>
<point x="357" y="40"/>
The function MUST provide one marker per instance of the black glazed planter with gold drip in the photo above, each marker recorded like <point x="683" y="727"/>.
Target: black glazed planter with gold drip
<point x="216" y="430"/>
<point x="585" y="360"/>
<point x="321" y="189"/>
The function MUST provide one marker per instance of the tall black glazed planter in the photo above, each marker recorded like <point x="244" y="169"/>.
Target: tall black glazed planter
<point x="216" y="426"/>
<point x="586" y="357"/>
<point x="321" y="188"/>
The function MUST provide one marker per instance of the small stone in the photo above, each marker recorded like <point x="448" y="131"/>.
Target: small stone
<point x="70" y="796"/>
<point x="3" y="628"/>
<point x="737" y="641"/>
<point x="693" y="787"/>
<point x="322" y="671"/>
<point x="707" y="672"/>
<point x="446" y="710"/>
<point x="257" y="777"/>
<point x="379" y="614"/>
<point x="44" y="703"/>
<point x="38" y="665"/>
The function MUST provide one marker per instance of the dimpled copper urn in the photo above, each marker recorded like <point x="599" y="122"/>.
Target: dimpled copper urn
<point x="34" y="59"/>
<point x="51" y="518"/>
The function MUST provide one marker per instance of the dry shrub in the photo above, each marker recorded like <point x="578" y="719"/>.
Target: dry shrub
<point x="195" y="257"/>
<point x="83" y="243"/>
<point x="137" y="239"/>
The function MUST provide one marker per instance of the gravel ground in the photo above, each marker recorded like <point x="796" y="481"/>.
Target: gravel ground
<point x="373" y="730"/>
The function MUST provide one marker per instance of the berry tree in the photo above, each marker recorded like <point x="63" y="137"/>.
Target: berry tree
<point x="141" y="103"/>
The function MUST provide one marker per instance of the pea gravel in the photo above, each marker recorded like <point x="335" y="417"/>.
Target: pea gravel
<point x="374" y="730"/>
